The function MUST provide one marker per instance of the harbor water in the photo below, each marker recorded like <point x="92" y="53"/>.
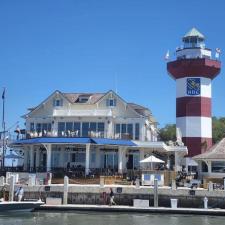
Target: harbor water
<point x="72" y="218"/>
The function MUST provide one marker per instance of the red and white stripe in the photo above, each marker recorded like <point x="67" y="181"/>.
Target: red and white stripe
<point x="193" y="115"/>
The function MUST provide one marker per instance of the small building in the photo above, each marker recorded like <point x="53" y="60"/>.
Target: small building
<point x="92" y="133"/>
<point x="212" y="163"/>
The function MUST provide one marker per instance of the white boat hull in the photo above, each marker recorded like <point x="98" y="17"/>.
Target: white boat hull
<point x="19" y="206"/>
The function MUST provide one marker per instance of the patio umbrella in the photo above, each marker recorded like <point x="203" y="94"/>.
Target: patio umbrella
<point x="152" y="159"/>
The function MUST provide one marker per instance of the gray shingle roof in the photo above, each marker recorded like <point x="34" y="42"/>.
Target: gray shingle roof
<point x="217" y="151"/>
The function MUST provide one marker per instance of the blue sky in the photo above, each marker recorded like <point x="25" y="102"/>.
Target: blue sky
<point x="81" y="46"/>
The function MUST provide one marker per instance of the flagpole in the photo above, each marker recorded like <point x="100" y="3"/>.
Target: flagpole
<point x="3" y="124"/>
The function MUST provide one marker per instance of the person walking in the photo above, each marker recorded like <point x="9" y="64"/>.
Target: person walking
<point x="111" y="194"/>
<point x="19" y="194"/>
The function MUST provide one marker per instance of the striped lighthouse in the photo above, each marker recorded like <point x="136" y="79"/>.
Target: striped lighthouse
<point x="193" y="71"/>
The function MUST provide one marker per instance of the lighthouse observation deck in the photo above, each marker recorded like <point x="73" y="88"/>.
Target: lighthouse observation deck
<point x="198" y="67"/>
<point x="193" y="58"/>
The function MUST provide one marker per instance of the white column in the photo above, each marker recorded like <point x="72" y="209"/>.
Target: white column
<point x="87" y="162"/>
<point x="31" y="157"/>
<point x="49" y="156"/>
<point x="120" y="159"/>
<point x="110" y="132"/>
<point x="37" y="158"/>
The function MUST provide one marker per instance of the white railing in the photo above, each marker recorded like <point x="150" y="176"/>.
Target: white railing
<point x="94" y="112"/>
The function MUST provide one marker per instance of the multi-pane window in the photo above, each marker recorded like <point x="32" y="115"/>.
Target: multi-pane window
<point x="61" y="129"/>
<point x="77" y="129"/>
<point x="111" y="102"/>
<point x="32" y="127"/>
<point x="85" y="129"/>
<point x="124" y="131"/>
<point x="57" y="102"/>
<point x="137" y="131"/>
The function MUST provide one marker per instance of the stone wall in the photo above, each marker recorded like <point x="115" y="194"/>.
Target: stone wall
<point x="94" y="194"/>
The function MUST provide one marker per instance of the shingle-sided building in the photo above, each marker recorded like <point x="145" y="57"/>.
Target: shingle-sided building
<point x="93" y="131"/>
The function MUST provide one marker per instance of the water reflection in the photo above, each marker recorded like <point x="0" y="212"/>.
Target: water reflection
<point x="71" y="218"/>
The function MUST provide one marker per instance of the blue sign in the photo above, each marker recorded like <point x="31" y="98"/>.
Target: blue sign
<point x="193" y="86"/>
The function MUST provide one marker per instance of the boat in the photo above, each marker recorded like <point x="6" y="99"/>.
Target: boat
<point x="24" y="206"/>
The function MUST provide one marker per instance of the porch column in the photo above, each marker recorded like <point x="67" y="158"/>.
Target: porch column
<point x="37" y="158"/>
<point x="209" y="163"/>
<point x="25" y="161"/>
<point x="87" y="162"/>
<point x="31" y="157"/>
<point x="121" y="159"/>
<point x="49" y="156"/>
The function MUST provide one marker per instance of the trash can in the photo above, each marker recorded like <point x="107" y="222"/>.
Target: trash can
<point x="173" y="203"/>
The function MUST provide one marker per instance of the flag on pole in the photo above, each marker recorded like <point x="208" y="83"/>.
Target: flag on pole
<point x="3" y="94"/>
<point x="217" y="54"/>
<point x="167" y="56"/>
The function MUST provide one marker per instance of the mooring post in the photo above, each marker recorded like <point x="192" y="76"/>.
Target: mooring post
<point x="11" y="187"/>
<point x="66" y="188"/>
<point x="155" y="193"/>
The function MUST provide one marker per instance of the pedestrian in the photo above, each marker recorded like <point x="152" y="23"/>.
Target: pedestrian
<point x="19" y="194"/>
<point x="111" y="194"/>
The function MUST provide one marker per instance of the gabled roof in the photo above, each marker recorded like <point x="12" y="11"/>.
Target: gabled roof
<point x="217" y="151"/>
<point x="38" y="106"/>
<point x="94" y="98"/>
<point x="194" y="33"/>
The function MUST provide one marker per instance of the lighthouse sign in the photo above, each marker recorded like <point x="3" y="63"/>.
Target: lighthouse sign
<point x="193" y="86"/>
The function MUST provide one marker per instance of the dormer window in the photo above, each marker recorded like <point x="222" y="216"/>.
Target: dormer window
<point x="83" y="99"/>
<point x="111" y="102"/>
<point x="57" y="102"/>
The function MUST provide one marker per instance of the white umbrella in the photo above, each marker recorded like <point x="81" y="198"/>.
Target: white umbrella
<point x="152" y="159"/>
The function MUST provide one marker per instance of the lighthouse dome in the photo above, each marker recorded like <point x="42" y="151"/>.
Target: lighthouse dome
<point x="194" y="39"/>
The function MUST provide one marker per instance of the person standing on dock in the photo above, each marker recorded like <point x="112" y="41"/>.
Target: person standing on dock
<point x="19" y="193"/>
<point x="111" y="194"/>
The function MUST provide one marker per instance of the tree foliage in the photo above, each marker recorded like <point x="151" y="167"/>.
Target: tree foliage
<point x="218" y="129"/>
<point x="168" y="133"/>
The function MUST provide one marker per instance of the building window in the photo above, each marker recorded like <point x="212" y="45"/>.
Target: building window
<point x="137" y="131"/>
<point x="57" y="102"/>
<point x="111" y="102"/>
<point x="38" y="127"/>
<point x="61" y="129"/>
<point x="85" y="129"/>
<point x="130" y="130"/>
<point x="93" y="157"/>
<point x="204" y="167"/>
<point x="69" y="128"/>
<point x="101" y="130"/>
<point x="31" y="127"/>
<point x="124" y="131"/>
<point x="83" y="99"/>
<point x="77" y="129"/>
<point x="218" y="167"/>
